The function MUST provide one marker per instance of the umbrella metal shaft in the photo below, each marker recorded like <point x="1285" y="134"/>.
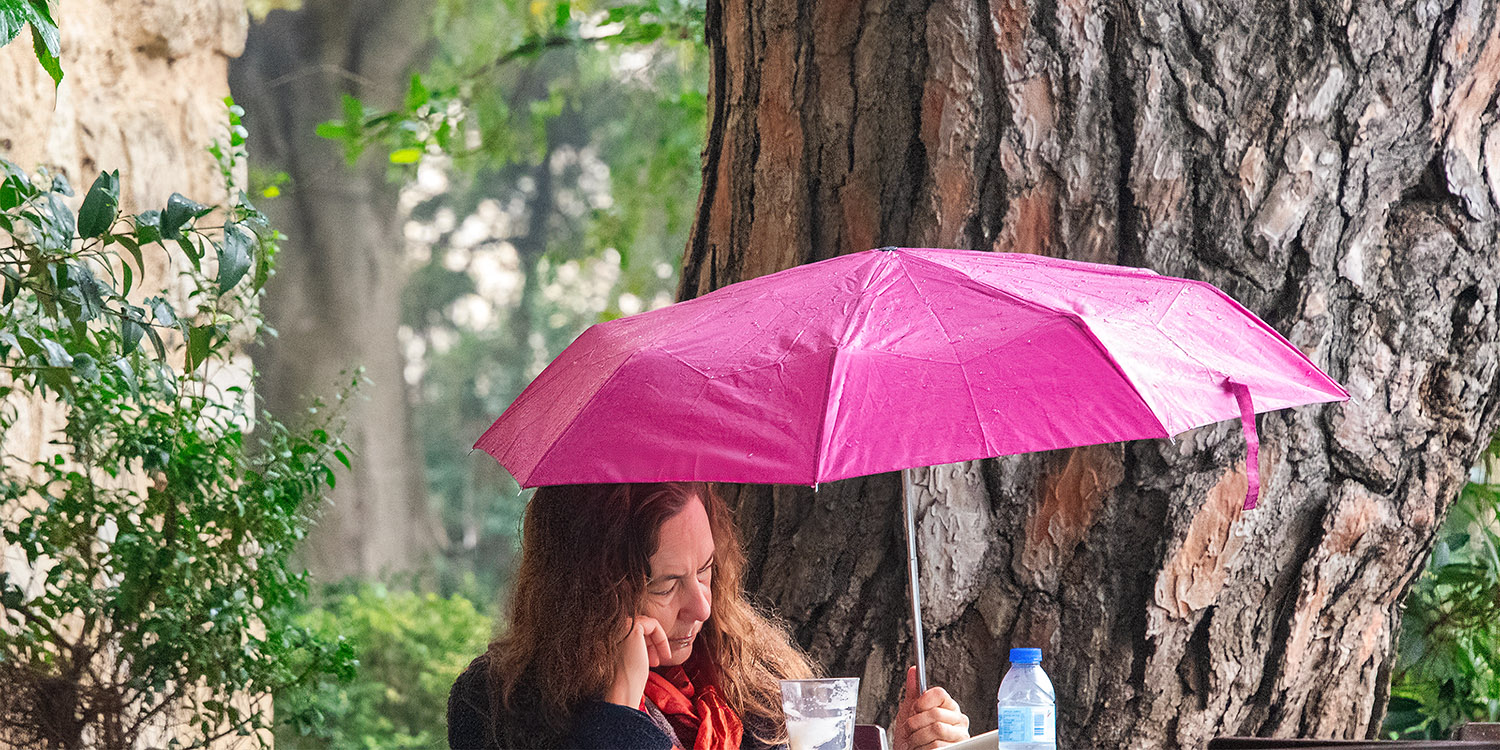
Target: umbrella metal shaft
<point x="908" y="499"/>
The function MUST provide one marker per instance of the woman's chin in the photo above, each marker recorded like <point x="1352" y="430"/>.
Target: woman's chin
<point x="679" y="655"/>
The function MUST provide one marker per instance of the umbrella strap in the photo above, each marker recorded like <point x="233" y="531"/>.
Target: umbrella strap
<point x="1252" y="443"/>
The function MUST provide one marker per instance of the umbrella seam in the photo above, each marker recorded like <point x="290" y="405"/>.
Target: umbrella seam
<point x="1272" y="331"/>
<point x="1077" y="320"/>
<point x="1088" y="330"/>
<point x="1018" y="298"/>
<point x="573" y="420"/>
<point x="1077" y="266"/>
<point x="968" y="385"/>
<point x="835" y="373"/>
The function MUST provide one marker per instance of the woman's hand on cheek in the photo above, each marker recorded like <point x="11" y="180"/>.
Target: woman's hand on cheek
<point x="930" y="720"/>
<point x="644" y="647"/>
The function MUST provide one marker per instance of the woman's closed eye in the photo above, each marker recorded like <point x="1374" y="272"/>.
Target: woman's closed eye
<point x="669" y="586"/>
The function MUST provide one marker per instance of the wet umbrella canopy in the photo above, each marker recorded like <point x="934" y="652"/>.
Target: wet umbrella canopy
<point x="896" y="358"/>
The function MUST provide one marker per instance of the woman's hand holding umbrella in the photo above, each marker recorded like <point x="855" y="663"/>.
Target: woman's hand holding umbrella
<point x="927" y="720"/>
<point x="645" y="646"/>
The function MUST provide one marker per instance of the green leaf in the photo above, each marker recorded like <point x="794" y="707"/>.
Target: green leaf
<point x="148" y="228"/>
<point x="14" y="13"/>
<point x="12" y="285"/>
<point x="12" y="20"/>
<point x="266" y="248"/>
<point x="11" y="596"/>
<point x="416" y="93"/>
<point x="333" y="130"/>
<point x="44" y="46"/>
<point x="14" y="191"/>
<point x="156" y="343"/>
<point x="179" y="211"/>
<point x="194" y="253"/>
<point x="234" y="256"/>
<point x="88" y="290"/>
<point x="85" y="368"/>
<point x="354" y="110"/>
<point x="135" y="252"/>
<point x="162" y="311"/>
<point x="127" y="373"/>
<point x="59" y="230"/>
<point x="57" y="356"/>
<point x="60" y="184"/>
<point x="199" y="338"/>
<point x="131" y="332"/>
<point x="406" y="156"/>
<point x="100" y="206"/>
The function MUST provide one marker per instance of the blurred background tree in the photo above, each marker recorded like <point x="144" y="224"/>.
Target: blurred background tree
<point x="465" y="185"/>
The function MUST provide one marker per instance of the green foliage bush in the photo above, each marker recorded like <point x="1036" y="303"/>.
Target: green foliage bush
<point x="1448" y="659"/>
<point x="147" y="589"/>
<point x="409" y="646"/>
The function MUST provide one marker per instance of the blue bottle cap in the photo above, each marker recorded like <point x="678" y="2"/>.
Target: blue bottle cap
<point x="1025" y="656"/>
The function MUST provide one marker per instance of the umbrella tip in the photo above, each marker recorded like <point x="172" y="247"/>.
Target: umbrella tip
<point x="889" y="248"/>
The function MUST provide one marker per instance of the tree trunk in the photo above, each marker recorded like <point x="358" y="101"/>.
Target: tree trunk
<point x="336" y="298"/>
<point x="1335" y="168"/>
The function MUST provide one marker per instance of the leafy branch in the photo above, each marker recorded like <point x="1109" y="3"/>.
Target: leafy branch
<point x="1447" y="668"/>
<point x="444" y="118"/>
<point x="159" y="528"/>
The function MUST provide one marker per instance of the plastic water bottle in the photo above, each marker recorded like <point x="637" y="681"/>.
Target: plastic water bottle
<point x="1026" y="704"/>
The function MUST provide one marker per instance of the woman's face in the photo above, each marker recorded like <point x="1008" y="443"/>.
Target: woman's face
<point x="681" y="571"/>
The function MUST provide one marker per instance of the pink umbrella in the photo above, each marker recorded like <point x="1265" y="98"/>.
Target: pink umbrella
<point x="898" y="358"/>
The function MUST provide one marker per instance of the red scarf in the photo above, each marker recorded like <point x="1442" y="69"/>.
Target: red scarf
<point x="690" y="699"/>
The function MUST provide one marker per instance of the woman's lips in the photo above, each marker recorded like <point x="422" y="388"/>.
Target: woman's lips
<point x="680" y="643"/>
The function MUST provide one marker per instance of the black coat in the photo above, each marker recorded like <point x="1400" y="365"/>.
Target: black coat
<point x="597" y="725"/>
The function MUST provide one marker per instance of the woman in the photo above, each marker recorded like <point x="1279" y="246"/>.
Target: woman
<point x="629" y="629"/>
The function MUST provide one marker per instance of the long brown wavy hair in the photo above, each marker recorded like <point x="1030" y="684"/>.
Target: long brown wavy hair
<point x="585" y="561"/>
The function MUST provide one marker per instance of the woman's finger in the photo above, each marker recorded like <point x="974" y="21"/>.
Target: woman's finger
<point x="935" y="697"/>
<point x="657" y="644"/>
<point x="937" y="716"/>
<point x="938" y="734"/>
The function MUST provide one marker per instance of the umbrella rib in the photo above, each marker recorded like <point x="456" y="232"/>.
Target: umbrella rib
<point x="1265" y="328"/>
<point x="1000" y="290"/>
<point x="835" y="369"/>
<point x="968" y="385"/>
<point x="1073" y="317"/>
<point x="573" y="420"/>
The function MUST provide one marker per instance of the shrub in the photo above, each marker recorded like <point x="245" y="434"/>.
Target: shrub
<point x="147" y="588"/>
<point x="409" y="647"/>
<point x="1448" y="660"/>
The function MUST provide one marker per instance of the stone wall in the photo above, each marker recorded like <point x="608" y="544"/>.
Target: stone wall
<point x="143" y="89"/>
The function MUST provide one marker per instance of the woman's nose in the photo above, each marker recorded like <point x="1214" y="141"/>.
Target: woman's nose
<point x="698" y="605"/>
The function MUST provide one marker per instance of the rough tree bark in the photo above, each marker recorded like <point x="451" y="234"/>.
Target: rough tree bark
<point x="1334" y="166"/>
<point x="336" y="298"/>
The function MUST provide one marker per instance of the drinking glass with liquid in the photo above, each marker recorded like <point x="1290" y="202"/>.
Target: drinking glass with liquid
<point x="820" y="713"/>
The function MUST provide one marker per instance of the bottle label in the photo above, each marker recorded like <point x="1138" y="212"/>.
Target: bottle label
<point x="1028" y="724"/>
